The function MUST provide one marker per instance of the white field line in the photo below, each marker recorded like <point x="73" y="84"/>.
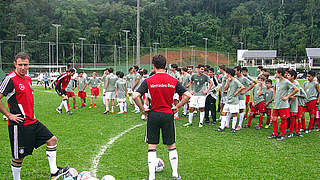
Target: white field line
<point x="96" y="159"/>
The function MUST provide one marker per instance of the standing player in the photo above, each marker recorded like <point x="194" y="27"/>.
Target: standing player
<point x="121" y="91"/>
<point x="247" y="94"/>
<point x="129" y="79"/>
<point x="186" y="77"/>
<point x="284" y="89"/>
<point x="25" y="131"/>
<point x="82" y="84"/>
<point x="136" y="82"/>
<point x="161" y="87"/>
<point x="198" y="90"/>
<point x="61" y="85"/>
<point x="233" y="87"/>
<point x="94" y="82"/>
<point x="269" y="97"/>
<point x="222" y="80"/>
<point x="104" y="80"/>
<point x="110" y="87"/>
<point x="210" y="104"/>
<point x="175" y="74"/>
<point x="70" y="93"/>
<point x="312" y="90"/>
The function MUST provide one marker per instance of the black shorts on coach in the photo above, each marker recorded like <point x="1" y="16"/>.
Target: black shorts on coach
<point x="24" y="138"/>
<point x="163" y="121"/>
<point x="60" y="91"/>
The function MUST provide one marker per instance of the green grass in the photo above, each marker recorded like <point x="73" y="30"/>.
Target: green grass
<point x="203" y="152"/>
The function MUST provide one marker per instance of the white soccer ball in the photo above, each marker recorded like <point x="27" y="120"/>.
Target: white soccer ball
<point x="71" y="174"/>
<point x="85" y="175"/>
<point x="108" y="177"/>
<point x="160" y="165"/>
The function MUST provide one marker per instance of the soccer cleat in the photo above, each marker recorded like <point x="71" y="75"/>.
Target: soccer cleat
<point x="267" y="126"/>
<point x="90" y="106"/>
<point x="238" y="128"/>
<point x="272" y="136"/>
<point x="307" y="131"/>
<point x="200" y="125"/>
<point x="280" y="138"/>
<point x="61" y="171"/>
<point x="69" y="112"/>
<point x="258" y="127"/>
<point x="112" y="111"/>
<point x="187" y="125"/>
<point x="102" y="105"/>
<point x="69" y="108"/>
<point x="184" y="114"/>
<point x="207" y="121"/>
<point x="176" y="117"/>
<point x="59" y="110"/>
<point x="220" y="129"/>
<point x="213" y="123"/>
<point x="176" y="178"/>
<point x="233" y="130"/>
<point x="125" y="111"/>
<point x="95" y="106"/>
<point x="299" y="135"/>
<point x="120" y="113"/>
<point x="290" y="135"/>
<point x="105" y="112"/>
<point x="74" y="107"/>
<point x="246" y="126"/>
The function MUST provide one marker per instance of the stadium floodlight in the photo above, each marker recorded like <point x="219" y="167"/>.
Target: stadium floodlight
<point x="138" y="32"/>
<point x="82" y="39"/>
<point x="57" y="44"/>
<point x="192" y="55"/>
<point x="127" y="55"/>
<point x="205" y="52"/>
<point x="21" y="41"/>
<point x="119" y="47"/>
<point x="156" y="46"/>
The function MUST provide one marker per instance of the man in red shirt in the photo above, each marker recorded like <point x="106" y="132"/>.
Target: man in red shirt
<point x="161" y="87"/>
<point x="61" y="85"/>
<point x="25" y="131"/>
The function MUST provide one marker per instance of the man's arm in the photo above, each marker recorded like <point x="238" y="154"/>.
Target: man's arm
<point x="185" y="98"/>
<point x="295" y="90"/>
<point x="137" y="100"/>
<point x="318" y="89"/>
<point x="207" y="90"/>
<point x="12" y="117"/>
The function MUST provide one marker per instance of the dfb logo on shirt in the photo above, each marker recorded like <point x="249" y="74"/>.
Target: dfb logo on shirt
<point x="21" y="87"/>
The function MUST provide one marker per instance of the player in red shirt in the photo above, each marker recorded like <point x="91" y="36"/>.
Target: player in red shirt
<point x="161" y="87"/>
<point x="25" y="131"/>
<point x="61" y="85"/>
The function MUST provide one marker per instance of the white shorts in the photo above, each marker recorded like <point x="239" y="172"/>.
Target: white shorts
<point x="119" y="100"/>
<point x="231" y="108"/>
<point x="223" y="99"/>
<point x="242" y="104"/>
<point x="129" y="90"/>
<point x="110" y="95"/>
<point x="176" y="96"/>
<point x="197" y="101"/>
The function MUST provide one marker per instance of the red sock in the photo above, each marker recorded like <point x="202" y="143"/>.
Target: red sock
<point x="250" y="119"/>
<point x="268" y="120"/>
<point x="275" y="127"/>
<point x="299" y="126"/>
<point x="303" y="123"/>
<point x="311" y="123"/>
<point x="260" y="120"/>
<point x="283" y="126"/>
<point x="292" y="124"/>
<point x="318" y="123"/>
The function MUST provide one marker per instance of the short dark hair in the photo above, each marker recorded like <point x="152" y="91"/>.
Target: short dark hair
<point x="159" y="61"/>
<point x="21" y="55"/>
<point x="200" y="66"/>
<point x="121" y="74"/>
<point x="262" y="77"/>
<point x="281" y="71"/>
<point x="269" y="81"/>
<point x="260" y="67"/>
<point x="230" y="71"/>
<point x="185" y="69"/>
<point x="222" y="66"/>
<point x="117" y="73"/>
<point x="145" y="71"/>
<point x="136" y="67"/>
<point x="174" y="66"/>
<point x="110" y="70"/>
<point x="238" y="68"/>
<point x="130" y="69"/>
<point x="312" y="73"/>
<point x="72" y="70"/>
<point x="293" y="73"/>
<point x="244" y="69"/>
<point x="211" y="69"/>
<point x="207" y="66"/>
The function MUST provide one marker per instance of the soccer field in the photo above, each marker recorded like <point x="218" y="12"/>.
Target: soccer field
<point x="203" y="153"/>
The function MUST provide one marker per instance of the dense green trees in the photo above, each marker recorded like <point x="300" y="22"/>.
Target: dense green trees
<point x="288" y="26"/>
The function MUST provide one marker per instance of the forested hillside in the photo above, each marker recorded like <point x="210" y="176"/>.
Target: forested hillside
<point x="288" y="26"/>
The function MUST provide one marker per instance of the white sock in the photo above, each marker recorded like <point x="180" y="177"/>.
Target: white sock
<point x="121" y="106"/>
<point x="125" y="106"/>
<point x="223" y="122"/>
<point x="130" y="99"/>
<point x="190" y="117"/>
<point x="173" y="157"/>
<point x="228" y="120"/>
<point x="234" y="122"/>
<point x="16" y="170"/>
<point x="112" y="108"/>
<point x="201" y="117"/>
<point x="52" y="156"/>
<point x="104" y="100"/>
<point x="241" y="116"/>
<point x="61" y="104"/>
<point x="65" y="104"/>
<point x="136" y="107"/>
<point x="185" y="109"/>
<point x="152" y="156"/>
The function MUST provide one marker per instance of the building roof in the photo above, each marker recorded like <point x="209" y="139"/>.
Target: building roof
<point x="313" y="52"/>
<point x="260" y="54"/>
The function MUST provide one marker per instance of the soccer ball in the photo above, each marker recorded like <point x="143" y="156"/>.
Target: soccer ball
<point x="5" y="118"/>
<point x="108" y="177"/>
<point x="160" y="165"/>
<point x="71" y="174"/>
<point x="85" y="175"/>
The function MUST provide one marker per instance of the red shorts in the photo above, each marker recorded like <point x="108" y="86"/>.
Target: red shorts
<point x="258" y="108"/>
<point x="247" y="98"/>
<point x="311" y="106"/>
<point x="94" y="91"/>
<point x="283" y="113"/>
<point x="82" y="94"/>
<point x="268" y="111"/>
<point x="301" y="110"/>
<point x="293" y="114"/>
<point x="70" y="94"/>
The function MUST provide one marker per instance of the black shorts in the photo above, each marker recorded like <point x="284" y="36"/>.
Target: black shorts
<point x="60" y="91"/>
<point x="24" y="138"/>
<point x="163" y="121"/>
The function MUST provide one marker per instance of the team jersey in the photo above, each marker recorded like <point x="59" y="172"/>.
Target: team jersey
<point x="63" y="81"/>
<point x="199" y="84"/>
<point x="70" y="86"/>
<point x="94" y="82"/>
<point x="129" y="79"/>
<point x="135" y="76"/>
<point x="111" y="82"/>
<point x="121" y="88"/>
<point x="283" y="88"/>
<point x="161" y="87"/>
<point x="223" y="82"/>
<point x="269" y="95"/>
<point x="104" y="80"/>
<point x="255" y="91"/>
<point x="234" y="86"/>
<point x="294" y="104"/>
<point x="175" y="75"/>
<point x="245" y="82"/>
<point x="311" y="90"/>
<point x="249" y="77"/>
<point x="186" y="79"/>
<point x="19" y="95"/>
<point x="302" y="97"/>
<point x="81" y="83"/>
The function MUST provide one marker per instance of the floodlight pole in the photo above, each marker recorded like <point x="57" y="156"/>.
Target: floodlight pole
<point x="127" y="53"/>
<point x="192" y="54"/>
<point x="82" y="39"/>
<point x="21" y="41"/>
<point x="57" y="45"/>
<point x="119" y="55"/>
<point x="72" y="55"/>
<point x="156" y="47"/>
<point x="205" y="52"/>
<point x="138" y="32"/>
